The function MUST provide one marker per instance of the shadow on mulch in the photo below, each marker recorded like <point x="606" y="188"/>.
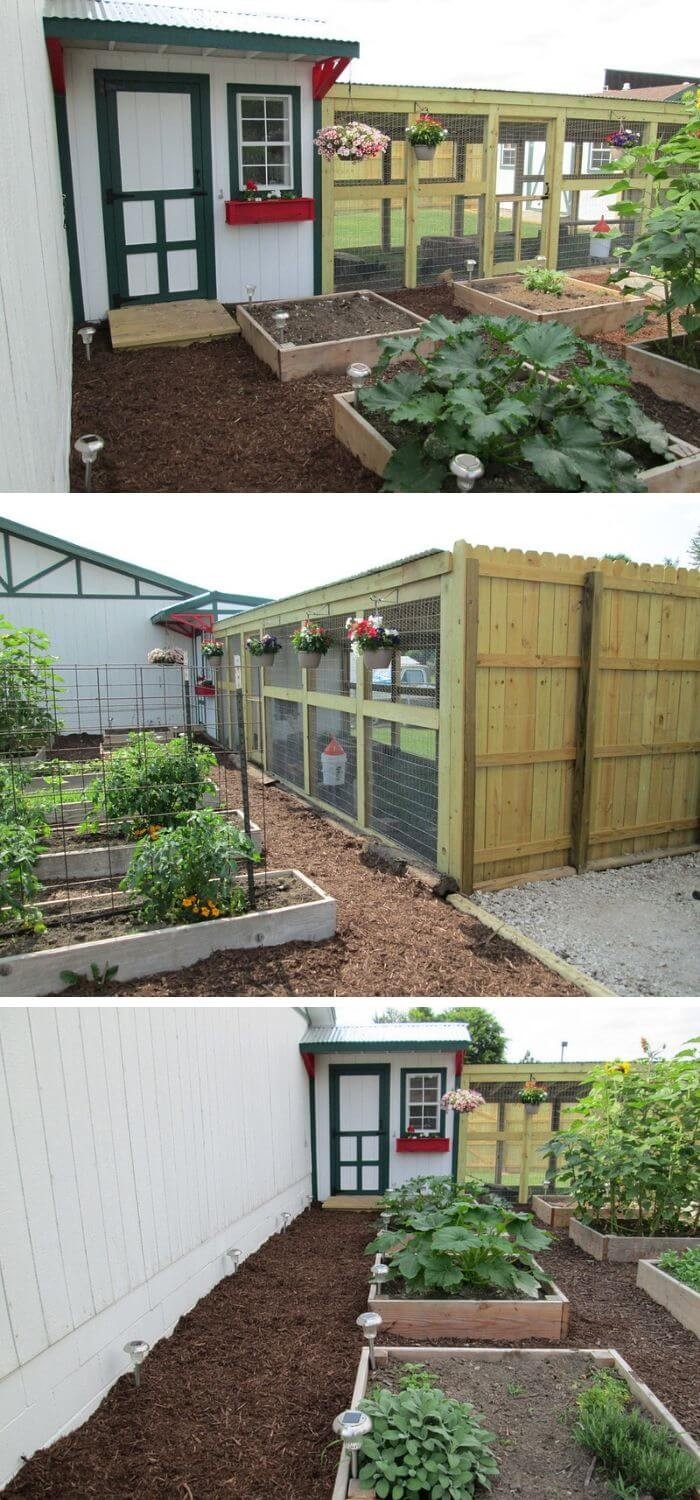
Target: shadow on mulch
<point x="212" y="417"/>
<point x="238" y="1404"/>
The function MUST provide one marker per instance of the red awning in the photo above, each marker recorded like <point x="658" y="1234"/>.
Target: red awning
<point x="189" y="623"/>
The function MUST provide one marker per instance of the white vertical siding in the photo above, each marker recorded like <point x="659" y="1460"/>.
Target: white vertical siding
<point x="276" y="258"/>
<point x="137" y="1145"/>
<point x="35" y="307"/>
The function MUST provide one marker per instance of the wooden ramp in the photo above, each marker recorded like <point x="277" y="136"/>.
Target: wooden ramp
<point x="147" y="324"/>
<point x="359" y="1202"/>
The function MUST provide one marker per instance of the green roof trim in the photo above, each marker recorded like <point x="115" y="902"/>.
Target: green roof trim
<point x="422" y="1036"/>
<point x="72" y="29"/>
<point x="100" y="559"/>
<point x="211" y="602"/>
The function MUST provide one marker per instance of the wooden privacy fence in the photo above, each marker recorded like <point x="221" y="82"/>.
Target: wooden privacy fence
<point x="542" y="713"/>
<point x="499" y="1142"/>
<point x="516" y="177"/>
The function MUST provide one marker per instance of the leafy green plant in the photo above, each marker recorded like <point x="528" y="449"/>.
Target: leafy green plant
<point x="537" y="279"/>
<point x="16" y="806"/>
<point x="684" y="1266"/>
<point x="29" y="686"/>
<point x="147" y="785"/>
<point x="634" y="1452"/>
<point x="426" y="1446"/>
<point x="190" y="873"/>
<point x="19" y="851"/>
<point x="416" y="1378"/>
<point x="467" y="1246"/>
<point x="485" y="390"/>
<point x="99" y="976"/>
<point x="419" y="1194"/>
<point x="630" y="1154"/>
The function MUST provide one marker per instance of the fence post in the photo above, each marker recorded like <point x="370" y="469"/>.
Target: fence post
<point x="460" y="648"/>
<point x="412" y="203"/>
<point x="591" y="609"/>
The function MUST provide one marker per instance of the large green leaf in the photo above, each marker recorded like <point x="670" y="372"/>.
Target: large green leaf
<point x="439" y="327"/>
<point x="397" y="347"/>
<point x="410" y="470"/>
<point x="545" y="345"/>
<point x="455" y="1239"/>
<point x="572" y="457"/>
<point x="454" y="363"/>
<point x="386" y="395"/>
<point x="425" y="408"/>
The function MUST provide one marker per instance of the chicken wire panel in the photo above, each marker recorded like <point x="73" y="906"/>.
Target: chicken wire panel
<point x="414" y="675"/>
<point x="335" y="672"/>
<point x="369" y="237"/>
<point x="580" y="211"/>
<point x="449" y="232"/>
<point x="460" y="158"/>
<point x="390" y="166"/>
<point x="283" y="669"/>
<point x="333" y="759"/>
<point x="585" y="151"/>
<point x="401" y="794"/>
<point x="518" y="230"/>
<point x="284" y="742"/>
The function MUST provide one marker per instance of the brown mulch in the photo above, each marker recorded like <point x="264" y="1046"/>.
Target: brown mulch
<point x="212" y="417"/>
<point x="316" y="321"/>
<point x="393" y="936"/>
<point x="238" y="1404"/>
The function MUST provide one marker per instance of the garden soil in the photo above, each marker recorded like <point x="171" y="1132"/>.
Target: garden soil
<point x="320" y="320"/>
<point x="239" y="1403"/>
<point x="512" y="289"/>
<point x="393" y="938"/>
<point x="213" y="417"/>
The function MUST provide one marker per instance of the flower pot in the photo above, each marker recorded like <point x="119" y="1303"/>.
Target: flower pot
<point x="424" y="153"/>
<point x="381" y="657"/>
<point x="531" y="1109"/>
<point x="266" y="658"/>
<point x="308" y="659"/>
<point x="616" y="152"/>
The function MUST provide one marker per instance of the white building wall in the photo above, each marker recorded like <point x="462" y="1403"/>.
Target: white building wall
<point x="276" y="258"/>
<point x="35" y="307"/>
<point x="402" y="1165"/>
<point x="138" y="1145"/>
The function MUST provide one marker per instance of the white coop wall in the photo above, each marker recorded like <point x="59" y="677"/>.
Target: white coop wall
<point x="138" y="1144"/>
<point x="35" y="308"/>
<point x="402" y="1165"/>
<point x="276" y="258"/>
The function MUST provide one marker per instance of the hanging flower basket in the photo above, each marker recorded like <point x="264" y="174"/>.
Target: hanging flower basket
<point x="311" y="642"/>
<point x="463" y="1101"/>
<point x="532" y="1095"/>
<point x="264" y="646"/>
<point x="351" y="142"/>
<point x="373" y="640"/>
<point x="425" y="136"/>
<point x="621" y="141"/>
<point x="212" y="649"/>
<point x="166" y="656"/>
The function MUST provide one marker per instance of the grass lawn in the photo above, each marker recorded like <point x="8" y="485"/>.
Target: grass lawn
<point x="355" y="227"/>
<point x="412" y="741"/>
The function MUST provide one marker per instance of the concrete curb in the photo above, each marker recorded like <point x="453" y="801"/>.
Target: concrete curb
<point x="512" y="935"/>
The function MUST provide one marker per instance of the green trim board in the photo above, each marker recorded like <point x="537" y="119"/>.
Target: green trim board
<point x="209" y="601"/>
<point x="314" y="1149"/>
<point x="383" y="1072"/>
<point x="107" y="85"/>
<point x="75" y="551"/>
<point x="233" y="91"/>
<point x="443" y="1089"/>
<point x="318" y="201"/>
<point x="69" y="222"/>
<point x="76" y="29"/>
<point x="382" y="1046"/>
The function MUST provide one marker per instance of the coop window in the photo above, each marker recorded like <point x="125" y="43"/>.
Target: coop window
<point x="508" y="156"/>
<point x="421" y="1093"/>
<point x="265" y="138"/>
<point x="599" y="157"/>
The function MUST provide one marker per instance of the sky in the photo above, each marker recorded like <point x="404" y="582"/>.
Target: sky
<point x="508" y="46"/>
<point x="279" y="546"/>
<point x="596" y="1031"/>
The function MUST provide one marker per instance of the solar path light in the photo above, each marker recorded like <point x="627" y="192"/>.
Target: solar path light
<point x="87" y="334"/>
<point x="89" y="446"/>
<point x="250" y="291"/>
<point x="467" y="468"/>
<point x="235" y="1256"/>
<point x="386" y="1217"/>
<point x="541" y="261"/>
<point x="370" y="1323"/>
<point x="471" y="267"/>
<point x="280" y="318"/>
<point x="378" y="1276"/>
<point x="358" y="375"/>
<point x="137" y="1349"/>
<point x="286" y="1220"/>
<point x="352" y="1427"/>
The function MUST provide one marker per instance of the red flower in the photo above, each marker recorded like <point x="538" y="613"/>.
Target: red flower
<point x="251" y="185"/>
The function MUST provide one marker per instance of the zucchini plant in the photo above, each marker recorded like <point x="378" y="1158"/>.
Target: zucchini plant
<point x="485" y="389"/>
<point x="463" y="1248"/>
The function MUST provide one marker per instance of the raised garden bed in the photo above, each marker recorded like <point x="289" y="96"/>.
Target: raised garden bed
<point x="374" y="451"/>
<point x="545" y="1317"/>
<point x="311" y="917"/>
<point x="626" y="1247"/>
<point x="668" y="378"/>
<point x="526" y="1397"/>
<point x="680" y="1300"/>
<point x="552" y="1210"/>
<point x="100" y="861"/>
<point x="324" y="334"/>
<point x="585" y="308"/>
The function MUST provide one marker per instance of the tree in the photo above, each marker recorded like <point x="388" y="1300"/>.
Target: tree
<point x="488" y="1039"/>
<point x="392" y="1013"/>
<point x="28" y="688"/>
<point x="694" y="551"/>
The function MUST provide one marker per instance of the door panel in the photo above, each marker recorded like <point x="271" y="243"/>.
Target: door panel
<point x="359" y="1117"/>
<point x="522" y="194"/>
<point x="155" y="165"/>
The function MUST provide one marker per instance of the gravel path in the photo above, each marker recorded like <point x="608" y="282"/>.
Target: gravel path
<point x="635" y="930"/>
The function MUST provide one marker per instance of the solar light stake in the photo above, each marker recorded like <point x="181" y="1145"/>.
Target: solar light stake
<point x="137" y="1349"/>
<point x="370" y="1323"/>
<point x="352" y="1427"/>
<point x="358" y="375"/>
<point x="467" y="468"/>
<point x="286" y="1220"/>
<point x="250" y="291"/>
<point x="87" y="334"/>
<point x="236" y="1256"/>
<point x="89" y="446"/>
<point x="279" y="319"/>
<point x="386" y="1217"/>
<point x="471" y="266"/>
<point x="378" y="1276"/>
<point x="541" y="261"/>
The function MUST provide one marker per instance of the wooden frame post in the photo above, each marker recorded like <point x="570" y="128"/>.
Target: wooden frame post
<point x="591" y="610"/>
<point x="411" y="222"/>
<point x="459" y="679"/>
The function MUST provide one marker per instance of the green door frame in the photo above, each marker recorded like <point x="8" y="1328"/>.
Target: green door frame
<point x="383" y="1072"/>
<point x="107" y="85"/>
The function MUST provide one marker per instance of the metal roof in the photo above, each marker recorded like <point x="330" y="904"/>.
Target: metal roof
<point x="101" y="559"/>
<point x="231" y="604"/>
<point x="421" y="1036"/>
<point x="189" y="17"/>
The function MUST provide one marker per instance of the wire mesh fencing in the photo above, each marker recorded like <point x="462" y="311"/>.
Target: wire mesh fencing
<point x="507" y="1153"/>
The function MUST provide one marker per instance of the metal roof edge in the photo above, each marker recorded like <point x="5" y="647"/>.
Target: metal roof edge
<point x="67" y="28"/>
<point x="100" y="559"/>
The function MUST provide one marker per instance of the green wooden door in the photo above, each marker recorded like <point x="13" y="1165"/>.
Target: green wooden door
<point x="359" y="1121"/>
<point x="154" y="141"/>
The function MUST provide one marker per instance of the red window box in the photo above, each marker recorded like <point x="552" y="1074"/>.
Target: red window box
<point x="270" y="211"/>
<point x="422" y="1143"/>
<point x="205" y="690"/>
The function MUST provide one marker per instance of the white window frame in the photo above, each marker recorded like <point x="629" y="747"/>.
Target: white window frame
<point x="424" y="1129"/>
<point x="602" y="151"/>
<point x="506" y="163"/>
<point x="245" y="172"/>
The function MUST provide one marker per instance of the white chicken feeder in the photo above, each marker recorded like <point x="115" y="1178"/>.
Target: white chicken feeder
<point x="600" y="249"/>
<point x="334" y="762"/>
